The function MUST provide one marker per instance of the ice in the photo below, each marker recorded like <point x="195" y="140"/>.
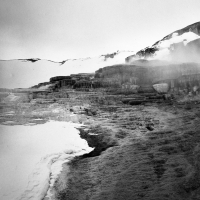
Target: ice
<point x="32" y="157"/>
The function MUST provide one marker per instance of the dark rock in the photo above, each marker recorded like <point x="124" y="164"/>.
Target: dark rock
<point x="59" y="78"/>
<point x="99" y="139"/>
<point x="150" y="127"/>
<point x="136" y="102"/>
<point x="90" y="112"/>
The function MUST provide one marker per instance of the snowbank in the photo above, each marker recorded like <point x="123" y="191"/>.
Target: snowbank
<point x="32" y="157"/>
<point x="166" y="46"/>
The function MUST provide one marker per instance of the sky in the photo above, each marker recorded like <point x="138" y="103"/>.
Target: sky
<point x="65" y="29"/>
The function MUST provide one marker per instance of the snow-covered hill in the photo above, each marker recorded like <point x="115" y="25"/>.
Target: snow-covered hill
<point x="24" y="73"/>
<point x="180" y="46"/>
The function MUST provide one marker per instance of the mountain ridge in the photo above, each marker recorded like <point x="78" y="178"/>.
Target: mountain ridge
<point x="108" y="55"/>
<point x="171" y="42"/>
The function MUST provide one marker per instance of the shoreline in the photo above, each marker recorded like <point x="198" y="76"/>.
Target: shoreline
<point x="147" y="151"/>
<point x="17" y="111"/>
<point x="38" y="153"/>
<point x="149" y="161"/>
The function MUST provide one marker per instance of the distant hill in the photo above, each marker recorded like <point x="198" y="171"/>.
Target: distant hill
<point x="179" y="46"/>
<point x="24" y="73"/>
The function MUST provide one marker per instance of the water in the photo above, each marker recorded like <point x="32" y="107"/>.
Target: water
<point x="32" y="157"/>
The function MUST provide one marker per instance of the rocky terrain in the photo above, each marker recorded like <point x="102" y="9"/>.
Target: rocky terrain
<point x="141" y="118"/>
<point x="141" y="152"/>
<point x="146" y="151"/>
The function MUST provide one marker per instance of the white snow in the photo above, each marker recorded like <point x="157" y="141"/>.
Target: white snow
<point x="32" y="157"/>
<point x="165" y="45"/>
<point x="44" y="87"/>
<point x="185" y="38"/>
<point x="20" y="74"/>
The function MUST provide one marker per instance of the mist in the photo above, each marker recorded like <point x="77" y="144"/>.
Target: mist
<point x="183" y="54"/>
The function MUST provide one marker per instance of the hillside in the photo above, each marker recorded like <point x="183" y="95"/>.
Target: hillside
<point x="182" y="45"/>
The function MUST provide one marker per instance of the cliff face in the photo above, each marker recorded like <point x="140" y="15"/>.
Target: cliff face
<point x="132" y="78"/>
<point x="123" y="74"/>
<point x="171" y="60"/>
<point x="180" y="76"/>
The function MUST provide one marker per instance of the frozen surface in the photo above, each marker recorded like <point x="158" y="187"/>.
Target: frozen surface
<point x="32" y="157"/>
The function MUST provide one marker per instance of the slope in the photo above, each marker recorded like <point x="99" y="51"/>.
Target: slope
<point x="180" y="46"/>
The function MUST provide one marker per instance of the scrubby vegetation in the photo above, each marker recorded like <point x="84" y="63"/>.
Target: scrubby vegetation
<point x="144" y="152"/>
<point x="156" y="156"/>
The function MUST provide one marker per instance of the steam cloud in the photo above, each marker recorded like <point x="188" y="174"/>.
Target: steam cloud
<point x="185" y="53"/>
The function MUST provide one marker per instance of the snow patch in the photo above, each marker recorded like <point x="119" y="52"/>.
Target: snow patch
<point x="166" y="46"/>
<point x="32" y="157"/>
<point x="185" y="38"/>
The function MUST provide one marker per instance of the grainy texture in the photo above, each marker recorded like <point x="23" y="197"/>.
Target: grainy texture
<point x="149" y="151"/>
<point x="155" y="155"/>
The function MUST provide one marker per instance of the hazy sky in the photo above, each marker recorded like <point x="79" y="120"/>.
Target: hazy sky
<point x="62" y="29"/>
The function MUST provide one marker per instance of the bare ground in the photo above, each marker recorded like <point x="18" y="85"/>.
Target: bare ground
<point x="143" y="152"/>
<point x="149" y="152"/>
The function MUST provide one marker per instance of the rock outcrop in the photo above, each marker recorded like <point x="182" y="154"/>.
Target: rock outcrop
<point x="177" y="76"/>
